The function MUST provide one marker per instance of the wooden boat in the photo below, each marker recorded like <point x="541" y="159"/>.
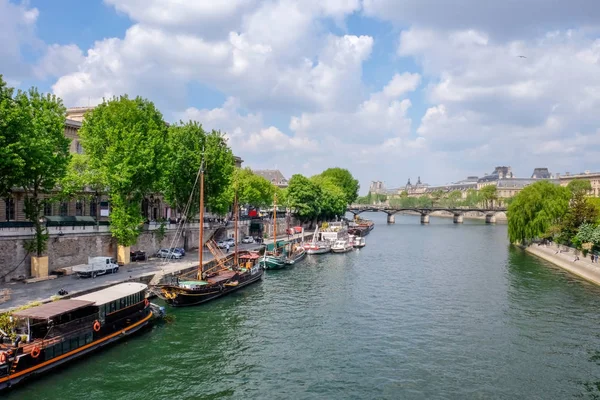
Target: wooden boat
<point x="59" y="332"/>
<point x="342" y="246"/>
<point x="272" y="259"/>
<point x="361" y="227"/>
<point x="297" y="255"/>
<point x="228" y="274"/>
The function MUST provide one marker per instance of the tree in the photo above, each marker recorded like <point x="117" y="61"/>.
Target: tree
<point x="41" y="151"/>
<point x="436" y="196"/>
<point x="304" y="197"/>
<point x="580" y="211"/>
<point x="535" y="210"/>
<point x="11" y="123"/>
<point x="125" y="140"/>
<point x="81" y="179"/>
<point x="489" y="194"/>
<point x="333" y="199"/>
<point x="453" y="199"/>
<point x="344" y="179"/>
<point x="473" y="198"/>
<point x="253" y="189"/>
<point x="186" y="145"/>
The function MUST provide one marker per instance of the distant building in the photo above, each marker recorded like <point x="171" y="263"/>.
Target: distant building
<point x="541" y="173"/>
<point x="593" y="177"/>
<point x="506" y="183"/>
<point x="274" y="176"/>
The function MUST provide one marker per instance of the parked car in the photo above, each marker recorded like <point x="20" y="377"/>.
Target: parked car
<point x="177" y="250"/>
<point x="166" y="253"/>
<point x="137" y="255"/>
<point x="248" y="239"/>
<point x="221" y="244"/>
<point x="231" y="241"/>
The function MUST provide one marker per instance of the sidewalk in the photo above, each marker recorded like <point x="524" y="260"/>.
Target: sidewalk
<point x="22" y="293"/>
<point x="583" y="267"/>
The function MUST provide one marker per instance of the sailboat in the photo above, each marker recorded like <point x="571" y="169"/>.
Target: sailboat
<point x="272" y="259"/>
<point x="226" y="274"/>
<point x="317" y="246"/>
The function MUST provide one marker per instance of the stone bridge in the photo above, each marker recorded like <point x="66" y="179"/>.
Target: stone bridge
<point x="458" y="212"/>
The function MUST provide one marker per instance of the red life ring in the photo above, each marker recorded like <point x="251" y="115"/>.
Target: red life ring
<point x="97" y="326"/>
<point x="2" y="358"/>
<point x="146" y="302"/>
<point x="35" y="352"/>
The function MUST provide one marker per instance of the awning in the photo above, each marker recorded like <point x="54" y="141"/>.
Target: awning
<point x="50" y="310"/>
<point x="53" y="220"/>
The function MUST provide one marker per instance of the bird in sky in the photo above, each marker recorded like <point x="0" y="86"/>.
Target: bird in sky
<point x="521" y="56"/>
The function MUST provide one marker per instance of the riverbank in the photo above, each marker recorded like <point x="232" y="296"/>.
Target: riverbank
<point x="46" y="291"/>
<point x="566" y="259"/>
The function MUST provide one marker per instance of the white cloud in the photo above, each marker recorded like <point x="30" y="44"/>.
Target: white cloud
<point x="17" y="30"/>
<point x="59" y="60"/>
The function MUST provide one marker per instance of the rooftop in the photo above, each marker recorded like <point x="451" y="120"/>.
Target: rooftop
<point x="272" y="175"/>
<point x="113" y="293"/>
<point x="50" y="310"/>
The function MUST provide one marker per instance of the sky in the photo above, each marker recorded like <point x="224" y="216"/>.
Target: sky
<point x="389" y="89"/>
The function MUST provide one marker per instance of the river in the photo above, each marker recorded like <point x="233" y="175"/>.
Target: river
<point x="441" y="311"/>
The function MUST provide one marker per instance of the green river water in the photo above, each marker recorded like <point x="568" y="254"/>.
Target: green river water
<point x="423" y="312"/>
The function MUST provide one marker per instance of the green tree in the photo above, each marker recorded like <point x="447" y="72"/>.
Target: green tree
<point x="343" y="179"/>
<point x="125" y="140"/>
<point x="186" y="144"/>
<point x="80" y="180"/>
<point x="580" y="211"/>
<point x="12" y="122"/>
<point x="42" y="153"/>
<point x="535" y="210"/>
<point x="254" y="190"/>
<point x="489" y="195"/>
<point x="304" y="197"/>
<point x="454" y="198"/>
<point x="333" y="200"/>
<point x="436" y="196"/>
<point x="473" y="198"/>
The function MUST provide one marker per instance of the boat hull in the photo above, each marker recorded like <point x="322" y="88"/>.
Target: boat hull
<point x="298" y="256"/>
<point x="191" y="297"/>
<point x="272" y="263"/>
<point x="46" y="367"/>
<point x="344" y="250"/>
<point x="324" y="250"/>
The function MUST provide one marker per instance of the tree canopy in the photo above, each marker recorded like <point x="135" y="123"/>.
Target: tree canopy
<point x="253" y="189"/>
<point x="345" y="181"/>
<point x="125" y="140"/>
<point x="33" y="127"/>
<point x="535" y="210"/>
<point x="186" y="144"/>
<point x="333" y="200"/>
<point x="303" y="196"/>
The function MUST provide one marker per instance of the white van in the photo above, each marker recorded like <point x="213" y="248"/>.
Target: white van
<point x="97" y="266"/>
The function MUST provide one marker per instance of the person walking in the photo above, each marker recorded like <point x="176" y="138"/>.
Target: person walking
<point x="227" y="247"/>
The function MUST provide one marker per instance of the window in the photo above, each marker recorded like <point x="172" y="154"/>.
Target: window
<point x="47" y="208"/>
<point x="79" y="208"/>
<point x="78" y="148"/>
<point x="64" y="208"/>
<point x="93" y="209"/>
<point x="10" y="208"/>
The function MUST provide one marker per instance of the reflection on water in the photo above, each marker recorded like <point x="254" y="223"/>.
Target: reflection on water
<point x="429" y="312"/>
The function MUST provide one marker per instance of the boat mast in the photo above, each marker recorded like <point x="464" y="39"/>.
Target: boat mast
<point x="275" y="224"/>
<point x="235" y="216"/>
<point x="201" y="232"/>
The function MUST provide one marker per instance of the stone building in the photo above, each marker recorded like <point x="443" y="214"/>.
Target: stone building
<point x="593" y="177"/>
<point x="274" y="176"/>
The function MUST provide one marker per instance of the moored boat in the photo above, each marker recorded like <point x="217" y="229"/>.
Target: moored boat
<point x="359" y="242"/>
<point x="271" y="261"/>
<point x="342" y="246"/>
<point x="59" y="332"/>
<point x="317" y="247"/>
<point x="228" y="273"/>
<point x="296" y="256"/>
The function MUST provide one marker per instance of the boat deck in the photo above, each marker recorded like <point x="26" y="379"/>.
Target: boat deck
<point x="223" y="276"/>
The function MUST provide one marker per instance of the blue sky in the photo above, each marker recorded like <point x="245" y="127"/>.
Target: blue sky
<point x="389" y="89"/>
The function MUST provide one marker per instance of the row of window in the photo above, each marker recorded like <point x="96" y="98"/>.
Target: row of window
<point x="121" y="303"/>
<point x="11" y="213"/>
<point x="68" y="345"/>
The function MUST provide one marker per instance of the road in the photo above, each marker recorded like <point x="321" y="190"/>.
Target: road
<point x="22" y="293"/>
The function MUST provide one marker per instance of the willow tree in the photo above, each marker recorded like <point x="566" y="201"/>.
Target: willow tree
<point x="188" y="143"/>
<point x="124" y="140"/>
<point x="535" y="210"/>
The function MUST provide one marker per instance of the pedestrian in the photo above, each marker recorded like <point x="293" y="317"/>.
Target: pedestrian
<point x="227" y="247"/>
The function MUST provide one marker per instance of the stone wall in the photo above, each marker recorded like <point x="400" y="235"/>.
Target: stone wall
<point x="74" y="249"/>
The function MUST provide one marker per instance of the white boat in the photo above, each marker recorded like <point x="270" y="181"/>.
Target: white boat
<point x="317" y="247"/>
<point x="342" y="246"/>
<point x="359" y="242"/>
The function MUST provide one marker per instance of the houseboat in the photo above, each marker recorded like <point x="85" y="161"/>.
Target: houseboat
<point x="59" y="332"/>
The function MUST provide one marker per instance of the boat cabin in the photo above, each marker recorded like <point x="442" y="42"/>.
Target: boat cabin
<point x="116" y="300"/>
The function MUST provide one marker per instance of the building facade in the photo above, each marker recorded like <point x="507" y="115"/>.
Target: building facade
<point x="593" y="177"/>
<point x="274" y="176"/>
